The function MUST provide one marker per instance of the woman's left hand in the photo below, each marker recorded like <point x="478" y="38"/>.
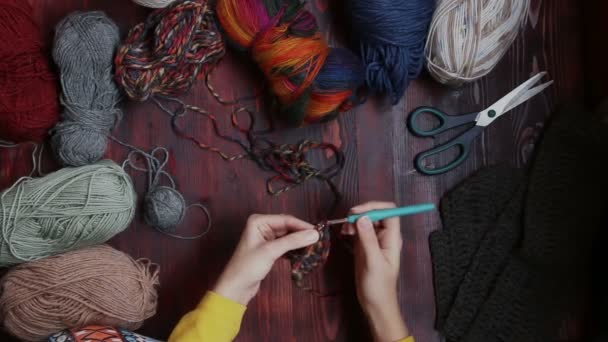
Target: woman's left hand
<point x="265" y="239"/>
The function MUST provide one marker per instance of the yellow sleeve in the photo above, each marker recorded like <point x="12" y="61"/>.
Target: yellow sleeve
<point x="407" y="339"/>
<point x="215" y="319"/>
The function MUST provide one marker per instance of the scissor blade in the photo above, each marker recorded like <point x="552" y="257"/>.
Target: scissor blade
<point x="530" y="94"/>
<point x="516" y="97"/>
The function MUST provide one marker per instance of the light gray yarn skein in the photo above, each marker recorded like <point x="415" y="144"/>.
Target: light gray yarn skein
<point x="84" y="48"/>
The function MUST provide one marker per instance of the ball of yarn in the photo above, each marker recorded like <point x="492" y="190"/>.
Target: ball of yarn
<point x="29" y="104"/>
<point x="94" y="285"/>
<point x="65" y="210"/>
<point x="164" y="208"/>
<point x="391" y="36"/>
<point x="468" y="38"/>
<point x="153" y="3"/>
<point x="310" y="80"/>
<point x="85" y="44"/>
<point x="165" y="54"/>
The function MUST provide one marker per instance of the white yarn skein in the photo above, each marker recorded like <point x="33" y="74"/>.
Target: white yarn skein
<point x="468" y="38"/>
<point x="154" y="3"/>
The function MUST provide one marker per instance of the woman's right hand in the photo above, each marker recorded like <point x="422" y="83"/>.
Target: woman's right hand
<point x="377" y="259"/>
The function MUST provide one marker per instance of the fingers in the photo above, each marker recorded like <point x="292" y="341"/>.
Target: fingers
<point x="367" y="241"/>
<point x="279" y="225"/>
<point x="290" y="242"/>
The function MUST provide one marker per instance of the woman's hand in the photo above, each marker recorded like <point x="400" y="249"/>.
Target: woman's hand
<point x="265" y="239"/>
<point x="377" y="259"/>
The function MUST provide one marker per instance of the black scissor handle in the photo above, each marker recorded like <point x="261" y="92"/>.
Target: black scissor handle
<point x="462" y="142"/>
<point x="446" y="122"/>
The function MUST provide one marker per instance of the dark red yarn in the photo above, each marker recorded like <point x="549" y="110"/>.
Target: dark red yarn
<point x="29" y="102"/>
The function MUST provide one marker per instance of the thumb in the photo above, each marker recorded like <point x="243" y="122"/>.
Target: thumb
<point x="367" y="239"/>
<point x="292" y="242"/>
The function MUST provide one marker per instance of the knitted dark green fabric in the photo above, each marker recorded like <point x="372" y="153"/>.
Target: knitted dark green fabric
<point x="513" y="247"/>
<point x="453" y="248"/>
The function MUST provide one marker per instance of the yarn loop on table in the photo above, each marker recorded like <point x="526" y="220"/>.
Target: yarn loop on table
<point x="94" y="285"/>
<point x="164" y="207"/>
<point x="165" y="54"/>
<point x="310" y="80"/>
<point x="468" y="38"/>
<point x="65" y="210"/>
<point x="391" y="36"/>
<point x="85" y="43"/>
<point x="29" y="104"/>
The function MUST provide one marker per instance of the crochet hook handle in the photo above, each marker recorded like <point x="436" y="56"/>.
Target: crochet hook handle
<point x="379" y="215"/>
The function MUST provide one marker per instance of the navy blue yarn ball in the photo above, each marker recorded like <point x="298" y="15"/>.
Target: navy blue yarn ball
<point x="391" y="36"/>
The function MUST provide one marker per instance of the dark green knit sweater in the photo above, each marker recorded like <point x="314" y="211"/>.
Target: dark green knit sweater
<point x="516" y="243"/>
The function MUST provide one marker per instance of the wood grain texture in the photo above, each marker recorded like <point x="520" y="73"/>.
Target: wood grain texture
<point x="379" y="166"/>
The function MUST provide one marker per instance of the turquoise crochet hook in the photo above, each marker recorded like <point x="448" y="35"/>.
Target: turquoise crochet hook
<point x="382" y="214"/>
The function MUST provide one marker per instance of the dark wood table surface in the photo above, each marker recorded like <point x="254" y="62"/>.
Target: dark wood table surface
<point x="379" y="166"/>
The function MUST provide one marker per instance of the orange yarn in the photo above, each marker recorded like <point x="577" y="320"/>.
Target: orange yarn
<point x="310" y="79"/>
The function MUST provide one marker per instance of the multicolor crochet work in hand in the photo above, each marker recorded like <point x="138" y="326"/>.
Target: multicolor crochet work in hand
<point x="306" y="260"/>
<point x="310" y="80"/>
<point x="165" y="54"/>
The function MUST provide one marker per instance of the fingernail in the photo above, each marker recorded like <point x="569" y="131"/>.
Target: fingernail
<point x="312" y="236"/>
<point x="366" y="223"/>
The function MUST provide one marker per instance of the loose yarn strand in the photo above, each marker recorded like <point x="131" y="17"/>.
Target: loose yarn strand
<point x="149" y="65"/>
<point x="164" y="207"/>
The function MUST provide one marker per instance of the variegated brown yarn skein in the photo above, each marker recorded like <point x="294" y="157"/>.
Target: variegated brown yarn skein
<point x="94" y="285"/>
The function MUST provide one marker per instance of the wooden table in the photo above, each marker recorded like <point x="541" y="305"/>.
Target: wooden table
<point x="379" y="154"/>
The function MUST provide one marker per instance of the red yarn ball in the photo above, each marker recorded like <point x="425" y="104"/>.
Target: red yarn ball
<point x="29" y="103"/>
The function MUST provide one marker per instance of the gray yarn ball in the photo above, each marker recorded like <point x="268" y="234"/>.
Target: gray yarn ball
<point x="164" y="208"/>
<point x="84" y="48"/>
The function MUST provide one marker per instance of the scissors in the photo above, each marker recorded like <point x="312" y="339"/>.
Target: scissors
<point x="481" y="119"/>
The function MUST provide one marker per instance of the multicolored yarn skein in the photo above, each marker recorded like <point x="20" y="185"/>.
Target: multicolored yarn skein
<point x="29" y="104"/>
<point x="65" y="210"/>
<point x="94" y="285"/>
<point x="311" y="81"/>
<point x="85" y="43"/>
<point x="391" y="36"/>
<point x="165" y="55"/>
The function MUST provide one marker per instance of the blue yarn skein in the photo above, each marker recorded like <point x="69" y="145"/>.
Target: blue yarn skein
<point x="391" y="35"/>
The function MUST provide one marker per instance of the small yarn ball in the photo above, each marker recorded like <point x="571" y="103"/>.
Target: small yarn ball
<point x="29" y="105"/>
<point x="165" y="54"/>
<point x="65" y="210"/>
<point x="391" y="36"/>
<point x="154" y="3"/>
<point x="164" y="208"/>
<point x="311" y="81"/>
<point x="85" y="44"/>
<point x="94" y="285"/>
<point x="467" y="39"/>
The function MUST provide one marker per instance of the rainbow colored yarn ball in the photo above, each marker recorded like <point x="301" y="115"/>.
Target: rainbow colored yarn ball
<point x="311" y="81"/>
